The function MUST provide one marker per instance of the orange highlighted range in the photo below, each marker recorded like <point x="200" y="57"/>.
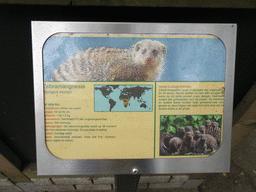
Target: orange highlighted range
<point x="126" y="101"/>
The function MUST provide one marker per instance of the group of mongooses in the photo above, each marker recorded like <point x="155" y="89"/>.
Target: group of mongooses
<point x="144" y="61"/>
<point x="202" y="141"/>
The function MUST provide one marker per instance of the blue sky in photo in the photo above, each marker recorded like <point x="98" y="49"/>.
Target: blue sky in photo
<point x="188" y="59"/>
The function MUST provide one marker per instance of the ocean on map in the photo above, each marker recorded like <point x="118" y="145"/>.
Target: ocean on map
<point x="123" y="98"/>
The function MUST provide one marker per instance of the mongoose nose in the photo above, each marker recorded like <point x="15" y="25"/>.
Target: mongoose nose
<point x="149" y="58"/>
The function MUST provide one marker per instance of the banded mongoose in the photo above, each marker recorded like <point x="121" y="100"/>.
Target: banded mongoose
<point x="164" y="143"/>
<point x="208" y="126"/>
<point x="197" y="135"/>
<point x="201" y="146"/>
<point x="189" y="129"/>
<point x="216" y="132"/>
<point x="211" y="143"/>
<point x="202" y="129"/>
<point x="175" y="145"/>
<point x="188" y="144"/>
<point x="144" y="61"/>
<point x="181" y="133"/>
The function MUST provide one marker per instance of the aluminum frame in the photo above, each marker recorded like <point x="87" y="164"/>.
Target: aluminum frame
<point x="47" y="164"/>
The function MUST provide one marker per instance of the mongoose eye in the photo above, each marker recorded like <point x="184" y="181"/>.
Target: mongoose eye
<point x="155" y="52"/>
<point x="144" y="51"/>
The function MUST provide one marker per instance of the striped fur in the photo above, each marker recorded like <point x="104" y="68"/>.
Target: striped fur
<point x="143" y="62"/>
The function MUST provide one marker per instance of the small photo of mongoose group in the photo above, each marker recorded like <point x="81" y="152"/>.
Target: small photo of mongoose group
<point x="189" y="134"/>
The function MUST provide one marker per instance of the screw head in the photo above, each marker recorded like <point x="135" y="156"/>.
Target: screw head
<point x="135" y="171"/>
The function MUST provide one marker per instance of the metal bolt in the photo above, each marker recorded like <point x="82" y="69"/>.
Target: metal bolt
<point x="135" y="171"/>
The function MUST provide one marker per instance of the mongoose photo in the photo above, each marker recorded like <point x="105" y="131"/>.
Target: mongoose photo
<point x="216" y="132"/>
<point x="202" y="129"/>
<point x="175" y="145"/>
<point x="164" y="143"/>
<point x="188" y="144"/>
<point x="181" y="133"/>
<point x="144" y="61"/>
<point x="193" y="136"/>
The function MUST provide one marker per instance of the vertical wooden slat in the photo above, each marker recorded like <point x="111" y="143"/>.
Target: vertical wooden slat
<point x="244" y="118"/>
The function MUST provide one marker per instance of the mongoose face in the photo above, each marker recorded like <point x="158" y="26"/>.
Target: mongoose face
<point x="149" y="53"/>
<point x="202" y="129"/>
<point x="189" y="135"/>
<point x="175" y="142"/>
<point x="182" y="129"/>
<point x="188" y="129"/>
<point x="208" y="123"/>
<point x="197" y="134"/>
<point x="215" y="124"/>
<point x="181" y="132"/>
<point x="144" y="61"/>
<point x="168" y="135"/>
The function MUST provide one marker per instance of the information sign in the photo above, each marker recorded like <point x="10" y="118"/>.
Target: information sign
<point x="133" y="95"/>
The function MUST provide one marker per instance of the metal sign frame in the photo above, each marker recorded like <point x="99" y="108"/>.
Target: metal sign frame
<point x="47" y="164"/>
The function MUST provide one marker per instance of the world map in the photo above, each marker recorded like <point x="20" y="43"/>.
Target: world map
<point x="123" y="97"/>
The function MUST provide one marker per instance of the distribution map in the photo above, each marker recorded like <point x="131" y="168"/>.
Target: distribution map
<point x="123" y="97"/>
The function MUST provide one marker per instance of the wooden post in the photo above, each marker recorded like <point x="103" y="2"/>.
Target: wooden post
<point x="11" y="171"/>
<point x="244" y="118"/>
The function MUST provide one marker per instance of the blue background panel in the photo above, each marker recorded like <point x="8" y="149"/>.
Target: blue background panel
<point x="188" y="59"/>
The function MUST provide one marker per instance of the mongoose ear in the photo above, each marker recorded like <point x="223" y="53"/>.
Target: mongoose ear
<point x="137" y="46"/>
<point x="164" y="50"/>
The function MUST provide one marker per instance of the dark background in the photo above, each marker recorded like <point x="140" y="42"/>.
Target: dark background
<point x="17" y="120"/>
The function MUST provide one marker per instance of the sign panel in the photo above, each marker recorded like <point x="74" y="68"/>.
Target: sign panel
<point x="145" y="97"/>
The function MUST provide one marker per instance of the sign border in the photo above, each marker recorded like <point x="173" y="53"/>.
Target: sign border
<point x="47" y="164"/>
